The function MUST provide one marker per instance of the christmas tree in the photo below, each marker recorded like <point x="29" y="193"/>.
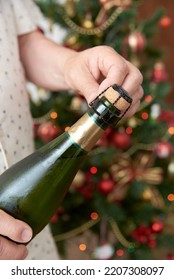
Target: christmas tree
<point x="120" y="204"/>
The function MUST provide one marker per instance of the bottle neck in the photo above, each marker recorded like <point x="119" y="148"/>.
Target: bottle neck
<point x="91" y="126"/>
<point x="105" y="110"/>
<point x="85" y="132"/>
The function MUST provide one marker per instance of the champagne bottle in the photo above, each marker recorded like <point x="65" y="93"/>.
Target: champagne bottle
<point x="33" y="188"/>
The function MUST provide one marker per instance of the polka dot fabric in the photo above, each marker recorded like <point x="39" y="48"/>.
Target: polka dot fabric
<point x="18" y="17"/>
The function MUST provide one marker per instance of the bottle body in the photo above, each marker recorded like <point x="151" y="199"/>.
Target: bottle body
<point x="33" y="189"/>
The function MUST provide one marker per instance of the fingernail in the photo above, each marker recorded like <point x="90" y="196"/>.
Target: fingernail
<point x="26" y="235"/>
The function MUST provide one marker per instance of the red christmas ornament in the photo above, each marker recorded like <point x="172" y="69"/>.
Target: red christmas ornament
<point x="106" y="186"/>
<point x="147" y="234"/>
<point x="163" y="149"/>
<point x="87" y="188"/>
<point x="136" y="41"/>
<point x="157" y="226"/>
<point x="121" y="140"/>
<point x="165" y="21"/>
<point x="143" y="234"/>
<point x="159" y="73"/>
<point x="152" y="243"/>
<point x="167" y="117"/>
<point x="48" y="131"/>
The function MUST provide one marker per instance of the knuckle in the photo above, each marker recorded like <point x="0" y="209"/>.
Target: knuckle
<point x="137" y="77"/>
<point x="124" y="67"/>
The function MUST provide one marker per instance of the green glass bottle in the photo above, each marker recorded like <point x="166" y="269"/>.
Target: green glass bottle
<point x="32" y="189"/>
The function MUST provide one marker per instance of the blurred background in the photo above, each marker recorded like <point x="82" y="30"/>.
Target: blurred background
<point x="121" y="203"/>
<point x="164" y="38"/>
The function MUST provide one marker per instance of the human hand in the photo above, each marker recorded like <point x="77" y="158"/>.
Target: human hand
<point x="92" y="71"/>
<point x="17" y="231"/>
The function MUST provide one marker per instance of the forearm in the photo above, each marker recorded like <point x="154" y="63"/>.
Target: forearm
<point x="89" y="72"/>
<point x="44" y="60"/>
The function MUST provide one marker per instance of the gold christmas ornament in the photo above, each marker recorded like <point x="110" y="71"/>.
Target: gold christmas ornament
<point x="126" y="170"/>
<point x="153" y="195"/>
<point x="134" y="122"/>
<point x="88" y="23"/>
<point x="171" y="169"/>
<point x="76" y="103"/>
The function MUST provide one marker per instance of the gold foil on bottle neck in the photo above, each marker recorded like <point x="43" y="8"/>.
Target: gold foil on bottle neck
<point x="112" y="95"/>
<point x="85" y="132"/>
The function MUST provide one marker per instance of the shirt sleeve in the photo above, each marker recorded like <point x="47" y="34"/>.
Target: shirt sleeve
<point x="27" y="16"/>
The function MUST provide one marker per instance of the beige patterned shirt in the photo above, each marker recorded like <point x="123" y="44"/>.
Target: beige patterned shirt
<point x="16" y="140"/>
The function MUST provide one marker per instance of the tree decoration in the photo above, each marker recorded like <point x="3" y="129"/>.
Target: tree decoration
<point x="106" y="186"/>
<point x="136" y="41"/>
<point x="76" y="103"/>
<point x="121" y="140"/>
<point x="119" y="235"/>
<point x="147" y="234"/>
<point x="163" y="149"/>
<point x="48" y="131"/>
<point x="74" y="232"/>
<point x="103" y="252"/>
<point x="123" y="191"/>
<point x="155" y="111"/>
<point x="171" y="169"/>
<point x="125" y="170"/>
<point x="167" y="116"/>
<point x="103" y="20"/>
<point x="153" y="195"/>
<point x="165" y="21"/>
<point x="157" y="226"/>
<point x="159" y="73"/>
<point x="95" y="30"/>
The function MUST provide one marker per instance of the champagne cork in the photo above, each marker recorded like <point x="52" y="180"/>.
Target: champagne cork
<point x="116" y="98"/>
